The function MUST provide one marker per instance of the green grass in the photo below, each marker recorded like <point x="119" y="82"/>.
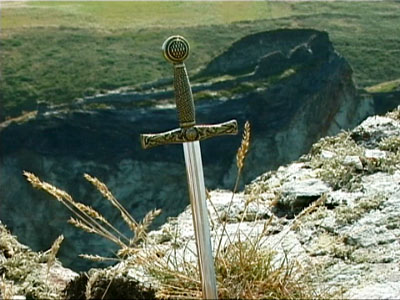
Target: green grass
<point x="383" y="87"/>
<point x="60" y="51"/>
<point x="133" y="15"/>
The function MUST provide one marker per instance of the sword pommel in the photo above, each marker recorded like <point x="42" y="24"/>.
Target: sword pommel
<point x="176" y="49"/>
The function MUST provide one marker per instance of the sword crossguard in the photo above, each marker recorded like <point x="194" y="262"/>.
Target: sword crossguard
<point x="183" y="135"/>
<point x="176" y="50"/>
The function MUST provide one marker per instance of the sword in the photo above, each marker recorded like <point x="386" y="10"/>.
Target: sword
<point x="176" y="50"/>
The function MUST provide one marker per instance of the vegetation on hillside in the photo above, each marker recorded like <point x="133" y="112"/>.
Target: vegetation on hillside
<point x="56" y="52"/>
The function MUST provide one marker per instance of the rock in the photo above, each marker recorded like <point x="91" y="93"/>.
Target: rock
<point x="375" y="153"/>
<point x="299" y="194"/>
<point x="387" y="290"/>
<point x="354" y="235"/>
<point x="371" y="132"/>
<point x="327" y="154"/>
<point x="353" y="161"/>
<point x="271" y="64"/>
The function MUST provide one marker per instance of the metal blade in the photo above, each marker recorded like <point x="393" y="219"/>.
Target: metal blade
<point x="197" y="193"/>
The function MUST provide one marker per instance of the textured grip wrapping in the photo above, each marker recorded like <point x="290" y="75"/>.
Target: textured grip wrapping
<point x="183" y="97"/>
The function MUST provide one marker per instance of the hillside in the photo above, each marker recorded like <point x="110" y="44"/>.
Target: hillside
<point x="59" y="52"/>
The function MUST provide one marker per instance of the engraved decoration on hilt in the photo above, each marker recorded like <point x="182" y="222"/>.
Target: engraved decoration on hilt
<point x="183" y="135"/>
<point x="176" y="50"/>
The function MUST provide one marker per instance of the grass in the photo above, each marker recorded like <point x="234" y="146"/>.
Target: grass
<point x="57" y="52"/>
<point x="384" y="87"/>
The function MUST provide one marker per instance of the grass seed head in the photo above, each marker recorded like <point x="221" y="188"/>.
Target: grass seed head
<point x="244" y="147"/>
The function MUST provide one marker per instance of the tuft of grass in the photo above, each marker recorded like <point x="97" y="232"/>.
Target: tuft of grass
<point x="391" y="143"/>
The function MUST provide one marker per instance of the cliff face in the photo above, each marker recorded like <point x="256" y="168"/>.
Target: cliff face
<point x="290" y="84"/>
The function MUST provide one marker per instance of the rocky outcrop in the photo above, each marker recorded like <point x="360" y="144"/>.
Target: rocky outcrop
<point x="290" y="84"/>
<point x="348" y="233"/>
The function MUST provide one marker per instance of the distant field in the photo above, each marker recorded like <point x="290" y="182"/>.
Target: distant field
<point x="59" y="51"/>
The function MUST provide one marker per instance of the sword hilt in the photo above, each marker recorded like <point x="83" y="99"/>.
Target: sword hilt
<point x="176" y="50"/>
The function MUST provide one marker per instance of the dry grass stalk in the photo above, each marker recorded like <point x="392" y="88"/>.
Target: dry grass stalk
<point x="89" y="285"/>
<point x="6" y="288"/>
<point x="92" y="221"/>
<point x="127" y="252"/>
<point x="244" y="147"/>
<point x="144" y="225"/>
<point x="82" y="226"/>
<point x="103" y="189"/>
<point x="52" y="252"/>
<point x="98" y="258"/>
<point x="240" y="157"/>
<point x="312" y="207"/>
<point x="96" y="215"/>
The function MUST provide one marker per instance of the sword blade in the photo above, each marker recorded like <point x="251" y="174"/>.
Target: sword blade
<point x="197" y="193"/>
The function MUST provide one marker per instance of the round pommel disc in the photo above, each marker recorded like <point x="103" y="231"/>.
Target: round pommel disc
<point x="175" y="49"/>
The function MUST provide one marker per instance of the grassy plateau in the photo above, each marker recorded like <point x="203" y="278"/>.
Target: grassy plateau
<point x="57" y="52"/>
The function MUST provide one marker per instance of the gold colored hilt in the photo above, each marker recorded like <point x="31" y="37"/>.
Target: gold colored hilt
<point x="176" y="50"/>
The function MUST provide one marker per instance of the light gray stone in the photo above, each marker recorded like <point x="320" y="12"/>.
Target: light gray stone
<point x="299" y="194"/>
<point x="375" y="153"/>
<point x="305" y="188"/>
<point x="388" y="290"/>
<point x="325" y="154"/>
<point x="353" y="161"/>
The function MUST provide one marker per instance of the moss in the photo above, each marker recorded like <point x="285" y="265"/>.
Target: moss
<point x="341" y="175"/>
<point x="333" y="170"/>
<point x="346" y="215"/>
<point x="391" y="143"/>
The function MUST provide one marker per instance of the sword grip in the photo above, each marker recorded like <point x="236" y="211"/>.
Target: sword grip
<point x="183" y="97"/>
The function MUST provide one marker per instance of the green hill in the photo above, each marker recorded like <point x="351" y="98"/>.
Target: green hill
<point x="57" y="52"/>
